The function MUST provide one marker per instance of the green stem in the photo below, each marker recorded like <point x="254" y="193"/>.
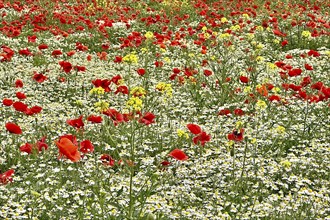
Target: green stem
<point x="244" y="159"/>
<point x="131" y="199"/>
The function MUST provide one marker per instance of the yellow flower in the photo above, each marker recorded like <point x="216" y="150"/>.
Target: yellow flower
<point x="131" y="58"/>
<point x="182" y="133"/>
<point x="167" y="59"/>
<point x="280" y="129"/>
<point x="235" y="27"/>
<point x="138" y="91"/>
<point x="230" y="143"/>
<point x="261" y="105"/>
<point x="276" y="41"/>
<point x="134" y="103"/>
<point x="246" y="16"/>
<point x="260" y="28"/>
<point x="327" y="53"/>
<point x="306" y="34"/>
<point x="224" y="36"/>
<point x="260" y="46"/>
<point x="286" y="163"/>
<point x="102" y="105"/>
<point x="276" y="90"/>
<point x="204" y="28"/>
<point x="165" y="88"/>
<point x="121" y="82"/>
<point x="149" y="35"/>
<point x="260" y="59"/>
<point x="144" y="50"/>
<point x="253" y="141"/>
<point x="231" y="48"/>
<point x="239" y="125"/>
<point x="98" y="91"/>
<point x="271" y="66"/>
<point x="247" y="90"/>
<point x="224" y="20"/>
<point x="250" y="36"/>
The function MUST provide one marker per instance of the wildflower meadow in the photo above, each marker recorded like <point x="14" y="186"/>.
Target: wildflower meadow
<point x="164" y="109"/>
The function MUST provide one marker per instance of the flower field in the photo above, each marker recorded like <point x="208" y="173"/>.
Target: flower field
<point x="164" y="109"/>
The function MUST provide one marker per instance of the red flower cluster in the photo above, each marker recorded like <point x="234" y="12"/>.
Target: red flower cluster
<point x="200" y="136"/>
<point x="6" y="177"/>
<point x="68" y="147"/>
<point x="28" y="148"/>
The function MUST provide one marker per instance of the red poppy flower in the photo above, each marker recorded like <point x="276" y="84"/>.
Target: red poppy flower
<point x="201" y="138"/>
<point x="116" y="79"/>
<point x="148" y="118"/>
<point x="20" y="106"/>
<point x="159" y="63"/>
<point x="236" y="136"/>
<point x="32" y="39"/>
<point x="18" y="83"/>
<point x="122" y="89"/>
<point x="70" y="53"/>
<point x="66" y="66"/>
<point x="165" y="163"/>
<point x="6" y="177"/>
<point x="274" y="98"/>
<point x="7" y="102"/>
<point x="279" y="33"/>
<point x="39" y="77"/>
<point x="141" y="71"/>
<point x="80" y="68"/>
<point x="42" y="144"/>
<point x="20" y="95"/>
<point x="116" y="116"/>
<point x="317" y="85"/>
<point x="77" y="123"/>
<point x="262" y="90"/>
<point x="193" y="128"/>
<point x="94" y="119"/>
<point x="56" y="53"/>
<point x="308" y="67"/>
<point x="107" y="160"/>
<point x="178" y="154"/>
<point x="118" y="59"/>
<point x="244" y="79"/>
<point x="68" y="149"/>
<point x="104" y="83"/>
<point x="176" y="70"/>
<point x="238" y="112"/>
<point x="25" y="52"/>
<point x="294" y="72"/>
<point x="71" y="137"/>
<point x="86" y="146"/>
<point x="42" y="46"/>
<point x="13" y="128"/>
<point x="225" y="111"/>
<point x="284" y="43"/>
<point x="313" y="53"/>
<point x="306" y="81"/>
<point x="36" y="109"/>
<point x="27" y="148"/>
<point x="208" y="72"/>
